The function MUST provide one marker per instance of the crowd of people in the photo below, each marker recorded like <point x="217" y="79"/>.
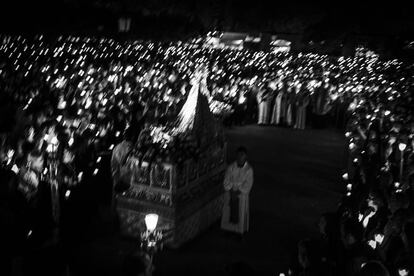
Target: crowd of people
<point x="371" y="233"/>
<point x="288" y="102"/>
<point x="67" y="101"/>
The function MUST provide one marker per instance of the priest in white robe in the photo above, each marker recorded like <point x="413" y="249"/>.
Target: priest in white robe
<point x="262" y="103"/>
<point x="238" y="182"/>
<point x="277" y="107"/>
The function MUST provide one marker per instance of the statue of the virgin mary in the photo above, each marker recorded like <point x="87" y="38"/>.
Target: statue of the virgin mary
<point x="195" y="115"/>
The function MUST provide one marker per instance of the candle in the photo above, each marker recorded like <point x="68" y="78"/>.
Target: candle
<point x="80" y="175"/>
<point x="379" y="238"/>
<point x="372" y="243"/>
<point x="15" y="169"/>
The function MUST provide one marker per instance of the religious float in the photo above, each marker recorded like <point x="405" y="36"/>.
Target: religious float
<point x="183" y="182"/>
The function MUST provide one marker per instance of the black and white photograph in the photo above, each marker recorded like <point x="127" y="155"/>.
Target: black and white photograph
<point x="206" y="138"/>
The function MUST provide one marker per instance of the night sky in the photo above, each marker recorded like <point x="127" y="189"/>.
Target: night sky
<point x="390" y="17"/>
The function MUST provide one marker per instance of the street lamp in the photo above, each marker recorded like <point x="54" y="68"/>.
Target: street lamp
<point x="151" y="237"/>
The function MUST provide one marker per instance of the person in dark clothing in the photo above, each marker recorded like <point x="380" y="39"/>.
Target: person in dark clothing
<point x="138" y="121"/>
<point x="330" y="238"/>
<point x="310" y="259"/>
<point x="354" y="252"/>
<point x="251" y="106"/>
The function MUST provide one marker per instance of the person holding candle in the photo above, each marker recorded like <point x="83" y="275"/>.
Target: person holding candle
<point x="391" y="245"/>
<point x="30" y="175"/>
<point x="37" y="198"/>
<point x="373" y="214"/>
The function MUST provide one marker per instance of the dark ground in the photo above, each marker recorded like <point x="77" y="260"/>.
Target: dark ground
<point x="297" y="178"/>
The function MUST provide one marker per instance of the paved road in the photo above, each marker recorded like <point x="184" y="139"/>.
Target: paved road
<point x="297" y="178"/>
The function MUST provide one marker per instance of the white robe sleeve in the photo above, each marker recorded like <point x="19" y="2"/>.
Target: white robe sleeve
<point x="247" y="184"/>
<point x="227" y="182"/>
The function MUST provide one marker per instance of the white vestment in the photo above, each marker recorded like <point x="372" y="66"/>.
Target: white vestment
<point x="239" y="179"/>
<point x="277" y="109"/>
<point x="262" y="107"/>
<point x="289" y="119"/>
<point x="262" y="112"/>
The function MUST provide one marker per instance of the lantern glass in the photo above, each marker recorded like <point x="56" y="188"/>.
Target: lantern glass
<point x="151" y="221"/>
<point x="402" y="146"/>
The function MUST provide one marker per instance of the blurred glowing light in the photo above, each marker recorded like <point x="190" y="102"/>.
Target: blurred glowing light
<point x="379" y="238"/>
<point x="403" y="272"/>
<point x="151" y="221"/>
<point x="373" y="244"/>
